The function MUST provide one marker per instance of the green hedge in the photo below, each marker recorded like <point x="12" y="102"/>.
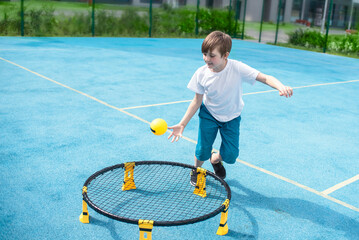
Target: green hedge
<point x="346" y="44"/>
<point x="129" y="22"/>
<point x="10" y="21"/>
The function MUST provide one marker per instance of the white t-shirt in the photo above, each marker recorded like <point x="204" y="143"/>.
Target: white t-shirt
<point x="223" y="90"/>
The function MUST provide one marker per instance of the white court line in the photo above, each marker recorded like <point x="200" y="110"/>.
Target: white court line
<point x="340" y="185"/>
<point x="245" y="94"/>
<point x="157" y="104"/>
<point x="300" y="185"/>
<point x="193" y="141"/>
<point x="72" y="89"/>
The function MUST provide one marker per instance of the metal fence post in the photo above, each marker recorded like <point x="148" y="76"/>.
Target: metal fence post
<point x="93" y="18"/>
<point x="150" y="15"/>
<point x="197" y="15"/>
<point x="351" y="15"/>
<point x="328" y="21"/>
<point x="236" y="18"/>
<point x="278" y="17"/>
<point x="22" y="17"/>
<point x="244" y="18"/>
<point x="260" y="29"/>
<point x="230" y="18"/>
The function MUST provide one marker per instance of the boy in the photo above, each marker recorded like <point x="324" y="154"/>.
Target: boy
<point x="218" y="94"/>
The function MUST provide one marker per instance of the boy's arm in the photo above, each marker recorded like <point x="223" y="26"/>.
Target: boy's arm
<point x="276" y="84"/>
<point x="191" y="110"/>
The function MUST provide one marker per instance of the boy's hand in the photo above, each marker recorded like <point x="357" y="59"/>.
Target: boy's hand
<point x="276" y="84"/>
<point x="176" y="133"/>
<point x="285" y="91"/>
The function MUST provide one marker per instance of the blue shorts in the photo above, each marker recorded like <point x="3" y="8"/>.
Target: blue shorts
<point x="207" y="133"/>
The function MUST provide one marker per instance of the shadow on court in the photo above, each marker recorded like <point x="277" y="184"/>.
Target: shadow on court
<point x="293" y="207"/>
<point x="109" y="225"/>
<point x="116" y="232"/>
<point x="253" y="222"/>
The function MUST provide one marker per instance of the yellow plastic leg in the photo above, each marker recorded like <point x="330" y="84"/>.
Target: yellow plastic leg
<point x="223" y="226"/>
<point x="200" y="188"/>
<point x="129" y="182"/>
<point x="84" y="217"/>
<point x="145" y="229"/>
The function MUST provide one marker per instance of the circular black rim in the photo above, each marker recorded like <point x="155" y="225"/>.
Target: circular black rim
<point x="155" y="223"/>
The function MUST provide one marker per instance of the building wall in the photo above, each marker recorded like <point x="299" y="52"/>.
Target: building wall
<point x="310" y="10"/>
<point x="313" y="11"/>
<point x="254" y="10"/>
<point x="288" y="11"/>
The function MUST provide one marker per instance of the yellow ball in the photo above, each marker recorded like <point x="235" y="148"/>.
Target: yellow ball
<point x="158" y="126"/>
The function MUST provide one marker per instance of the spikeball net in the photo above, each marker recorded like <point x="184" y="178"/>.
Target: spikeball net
<point x="154" y="193"/>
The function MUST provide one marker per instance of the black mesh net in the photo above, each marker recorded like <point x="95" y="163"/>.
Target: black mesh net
<point x="163" y="194"/>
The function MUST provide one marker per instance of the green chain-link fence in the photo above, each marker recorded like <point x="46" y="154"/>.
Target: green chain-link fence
<point x="259" y="20"/>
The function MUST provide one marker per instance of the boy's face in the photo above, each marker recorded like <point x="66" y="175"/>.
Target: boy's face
<point x="215" y="62"/>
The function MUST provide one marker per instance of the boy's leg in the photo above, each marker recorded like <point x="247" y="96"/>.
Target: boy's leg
<point x="230" y="141"/>
<point x="207" y="132"/>
<point x="216" y="161"/>
<point x="206" y="137"/>
<point x="197" y="163"/>
<point x="216" y="158"/>
<point x="229" y="147"/>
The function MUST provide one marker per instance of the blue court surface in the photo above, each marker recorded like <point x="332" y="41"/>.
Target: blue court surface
<point x="72" y="106"/>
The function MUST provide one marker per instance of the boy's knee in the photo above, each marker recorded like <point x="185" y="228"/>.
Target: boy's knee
<point x="230" y="158"/>
<point x="203" y="154"/>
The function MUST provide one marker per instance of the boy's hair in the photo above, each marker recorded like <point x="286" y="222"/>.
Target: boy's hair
<point x="217" y="39"/>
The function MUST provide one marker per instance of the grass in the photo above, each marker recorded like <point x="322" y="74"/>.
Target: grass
<point x="64" y="7"/>
<point x="269" y="26"/>
<point x="288" y="45"/>
<point x="70" y="6"/>
<point x="39" y="4"/>
<point x="286" y="27"/>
